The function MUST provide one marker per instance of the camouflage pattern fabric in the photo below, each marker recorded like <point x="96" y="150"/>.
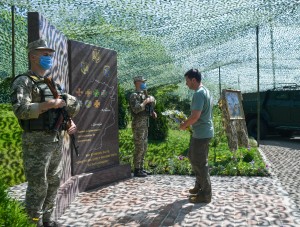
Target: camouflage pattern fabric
<point x="43" y="170"/>
<point x="42" y="150"/>
<point x="140" y="138"/>
<point x="73" y="105"/>
<point x="140" y="123"/>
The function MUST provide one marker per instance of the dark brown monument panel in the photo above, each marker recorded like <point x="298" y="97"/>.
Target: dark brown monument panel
<point x="90" y="74"/>
<point x="93" y="73"/>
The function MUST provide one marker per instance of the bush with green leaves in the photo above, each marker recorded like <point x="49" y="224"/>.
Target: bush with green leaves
<point x="158" y="127"/>
<point x="169" y="156"/>
<point x="5" y="89"/>
<point x="10" y="147"/>
<point x="12" y="212"/>
<point x="123" y="116"/>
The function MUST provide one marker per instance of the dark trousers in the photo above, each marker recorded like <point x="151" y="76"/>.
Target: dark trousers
<point x="198" y="156"/>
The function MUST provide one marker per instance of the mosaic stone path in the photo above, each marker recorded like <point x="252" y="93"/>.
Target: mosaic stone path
<point x="161" y="200"/>
<point x="283" y="156"/>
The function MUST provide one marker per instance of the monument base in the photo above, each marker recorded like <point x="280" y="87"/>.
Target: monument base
<point x="88" y="181"/>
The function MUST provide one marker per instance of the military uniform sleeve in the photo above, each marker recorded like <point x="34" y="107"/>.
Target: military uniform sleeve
<point x="73" y="105"/>
<point x="135" y="104"/>
<point x="21" y="98"/>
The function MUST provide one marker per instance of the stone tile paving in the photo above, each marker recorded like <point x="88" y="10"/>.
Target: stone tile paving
<point x="161" y="200"/>
<point x="283" y="157"/>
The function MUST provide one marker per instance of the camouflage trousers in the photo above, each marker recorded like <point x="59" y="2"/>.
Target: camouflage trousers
<point x="43" y="170"/>
<point x="198" y="156"/>
<point x="140" y="138"/>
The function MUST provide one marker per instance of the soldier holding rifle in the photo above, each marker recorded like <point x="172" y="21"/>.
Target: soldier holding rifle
<point x="39" y="113"/>
<point x="142" y="106"/>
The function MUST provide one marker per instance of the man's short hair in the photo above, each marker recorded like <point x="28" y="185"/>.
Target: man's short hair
<point x="193" y="73"/>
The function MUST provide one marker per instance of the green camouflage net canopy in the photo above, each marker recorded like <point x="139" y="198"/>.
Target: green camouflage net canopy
<point x="162" y="39"/>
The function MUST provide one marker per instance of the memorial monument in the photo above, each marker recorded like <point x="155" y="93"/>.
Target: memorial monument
<point x="89" y="73"/>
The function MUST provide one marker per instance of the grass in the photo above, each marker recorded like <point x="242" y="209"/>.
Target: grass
<point x="163" y="157"/>
<point x="12" y="212"/>
<point x="169" y="157"/>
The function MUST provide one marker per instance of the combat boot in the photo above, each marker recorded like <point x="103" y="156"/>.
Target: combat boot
<point x="201" y="197"/>
<point x="139" y="173"/>
<point x="50" y="224"/>
<point x="147" y="172"/>
<point x="195" y="190"/>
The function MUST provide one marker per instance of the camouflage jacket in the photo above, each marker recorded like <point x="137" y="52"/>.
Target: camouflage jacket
<point x="138" y="110"/>
<point x="26" y="98"/>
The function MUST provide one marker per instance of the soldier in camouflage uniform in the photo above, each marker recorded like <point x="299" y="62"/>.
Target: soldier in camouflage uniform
<point x="37" y="112"/>
<point x="141" y="106"/>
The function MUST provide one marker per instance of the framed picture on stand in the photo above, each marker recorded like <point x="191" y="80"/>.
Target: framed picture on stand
<point x="233" y="99"/>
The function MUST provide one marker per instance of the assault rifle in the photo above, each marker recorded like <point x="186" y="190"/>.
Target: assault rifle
<point x="149" y="106"/>
<point x="64" y="120"/>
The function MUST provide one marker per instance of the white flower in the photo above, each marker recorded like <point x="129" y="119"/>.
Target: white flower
<point x="177" y="116"/>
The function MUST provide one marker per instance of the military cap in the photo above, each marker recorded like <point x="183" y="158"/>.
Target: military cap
<point x="39" y="44"/>
<point x="139" y="78"/>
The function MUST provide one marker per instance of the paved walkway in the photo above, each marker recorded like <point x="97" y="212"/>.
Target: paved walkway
<point x="161" y="200"/>
<point x="284" y="158"/>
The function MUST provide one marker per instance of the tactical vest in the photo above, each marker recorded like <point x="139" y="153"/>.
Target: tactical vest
<point x="41" y="93"/>
<point x="148" y="108"/>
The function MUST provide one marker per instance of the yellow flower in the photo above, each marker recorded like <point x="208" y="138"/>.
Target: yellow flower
<point x="177" y="116"/>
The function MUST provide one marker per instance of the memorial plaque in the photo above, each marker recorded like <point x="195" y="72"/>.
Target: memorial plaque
<point x="94" y="83"/>
<point x="90" y="74"/>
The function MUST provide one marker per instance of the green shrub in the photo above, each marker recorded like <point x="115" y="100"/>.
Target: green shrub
<point x="123" y="116"/>
<point x="12" y="213"/>
<point x="10" y="147"/>
<point x="5" y="89"/>
<point x="169" y="156"/>
<point x="158" y="129"/>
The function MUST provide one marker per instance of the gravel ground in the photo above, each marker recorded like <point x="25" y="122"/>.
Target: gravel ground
<point x="283" y="156"/>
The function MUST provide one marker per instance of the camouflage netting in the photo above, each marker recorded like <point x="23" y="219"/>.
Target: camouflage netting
<point x="162" y="39"/>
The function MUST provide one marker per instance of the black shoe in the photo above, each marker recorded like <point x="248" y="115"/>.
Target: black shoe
<point x="200" y="198"/>
<point x="50" y="224"/>
<point x="139" y="173"/>
<point x="147" y="172"/>
<point x="194" y="190"/>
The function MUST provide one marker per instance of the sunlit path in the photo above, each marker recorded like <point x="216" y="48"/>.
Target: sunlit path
<point x="161" y="200"/>
<point x="284" y="159"/>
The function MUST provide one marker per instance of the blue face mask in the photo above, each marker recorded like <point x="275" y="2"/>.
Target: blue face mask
<point x="46" y="62"/>
<point x="143" y="86"/>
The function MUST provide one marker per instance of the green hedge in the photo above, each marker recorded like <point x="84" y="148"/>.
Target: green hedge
<point x="10" y="147"/>
<point x="12" y="212"/>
